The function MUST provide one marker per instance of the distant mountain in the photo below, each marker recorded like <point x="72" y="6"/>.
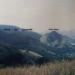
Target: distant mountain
<point x="70" y="33"/>
<point x="51" y="45"/>
<point x="11" y="27"/>
<point x="25" y="40"/>
<point x="69" y="40"/>
<point x="55" y="39"/>
<point x="69" y="36"/>
<point x="59" y="44"/>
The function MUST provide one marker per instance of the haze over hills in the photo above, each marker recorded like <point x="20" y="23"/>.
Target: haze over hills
<point x="56" y="38"/>
<point x="59" y="44"/>
<point x="51" y="45"/>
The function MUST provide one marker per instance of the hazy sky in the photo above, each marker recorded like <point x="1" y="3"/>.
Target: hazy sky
<point x="38" y="14"/>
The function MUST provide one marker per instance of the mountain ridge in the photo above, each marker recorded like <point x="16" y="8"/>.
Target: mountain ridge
<point x="52" y="45"/>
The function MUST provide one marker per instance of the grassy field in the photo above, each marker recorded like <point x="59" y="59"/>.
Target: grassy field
<point x="57" y="68"/>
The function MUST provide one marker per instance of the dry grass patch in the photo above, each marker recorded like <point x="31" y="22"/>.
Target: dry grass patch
<point x="58" y="68"/>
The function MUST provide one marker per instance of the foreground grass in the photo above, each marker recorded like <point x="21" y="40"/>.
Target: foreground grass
<point x="58" y="68"/>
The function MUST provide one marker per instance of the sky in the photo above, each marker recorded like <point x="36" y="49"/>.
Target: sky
<point x="39" y="14"/>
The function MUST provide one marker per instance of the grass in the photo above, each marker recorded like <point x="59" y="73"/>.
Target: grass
<point x="57" y="68"/>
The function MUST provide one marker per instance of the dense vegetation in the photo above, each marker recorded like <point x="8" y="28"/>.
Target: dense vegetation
<point x="57" y="68"/>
